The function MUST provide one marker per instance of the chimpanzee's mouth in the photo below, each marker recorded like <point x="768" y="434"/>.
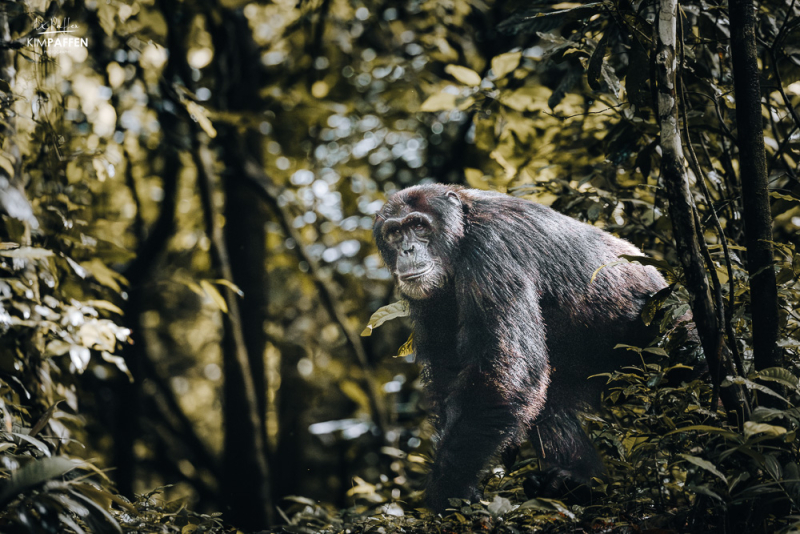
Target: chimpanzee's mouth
<point x="406" y="277"/>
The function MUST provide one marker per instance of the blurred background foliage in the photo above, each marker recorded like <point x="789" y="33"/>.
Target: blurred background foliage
<point x="187" y="261"/>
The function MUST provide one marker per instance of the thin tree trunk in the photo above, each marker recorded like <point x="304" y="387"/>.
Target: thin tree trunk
<point x="681" y="210"/>
<point x="245" y="217"/>
<point x="245" y="233"/>
<point x="139" y="273"/>
<point x="245" y="476"/>
<point x="293" y="436"/>
<point x="755" y="190"/>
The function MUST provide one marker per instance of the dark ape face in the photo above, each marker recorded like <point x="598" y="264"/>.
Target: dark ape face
<point x="418" y="272"/>
<point x="416" y="232"/>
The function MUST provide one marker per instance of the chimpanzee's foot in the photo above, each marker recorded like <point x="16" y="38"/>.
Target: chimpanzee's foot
<point x="557" y="483"/>
<point x="438" y="497"/>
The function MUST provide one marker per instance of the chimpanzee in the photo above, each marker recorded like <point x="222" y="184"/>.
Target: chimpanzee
<point x="509" y="325"/>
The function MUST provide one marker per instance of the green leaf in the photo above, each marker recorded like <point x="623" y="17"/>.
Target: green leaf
<point x="35" y="473"/>
<point x="705" y="428"/>
<point x="535" y="20"/>
<point x="597" y="271"/>
<point x="751" y="428"/>
<point x="705" y="464"/>
<point x="780" y="375"/>
<point x="593" y="72"/>
<point x="654" y="304"/>
<point x="775" y="194"/>
<point x="103" y="497"/>
<point x="464" y="75"/>
<point x="476" y="178"/>
<point x="104" y="275"/>
<point x="749" y="384"/>
<point x="386" y="313"/>
<point x="20" y="437"/>
<point x="647" y="260"/>
<point x="110" y="524"/>
<point x="704" y="490"/>
<point x="104" y="305"/>
<point x="40" y="424"/>
<point x="7" y="165"/>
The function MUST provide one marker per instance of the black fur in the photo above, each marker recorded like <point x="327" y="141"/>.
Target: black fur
<point x="509" y="327"/>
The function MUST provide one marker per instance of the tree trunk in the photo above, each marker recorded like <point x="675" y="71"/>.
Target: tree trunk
<point x="293" y="436"/>
<point x="246" y="489"/>
<point x="245" y="480"/>
<point x="138" y="273"/>
<point x="755" y="191"/>
<point x="681" y="208"/>
<point x="245" y="233"/>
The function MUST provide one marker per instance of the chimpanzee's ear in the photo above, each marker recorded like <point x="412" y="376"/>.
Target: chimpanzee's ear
<point x="452" y="196"/>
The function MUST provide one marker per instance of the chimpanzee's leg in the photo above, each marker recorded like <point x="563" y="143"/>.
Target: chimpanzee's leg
<point x="476" y="430"/>
<point x="569" y="458"/>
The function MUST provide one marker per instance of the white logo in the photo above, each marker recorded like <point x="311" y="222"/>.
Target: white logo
<point x="56" y="33"/>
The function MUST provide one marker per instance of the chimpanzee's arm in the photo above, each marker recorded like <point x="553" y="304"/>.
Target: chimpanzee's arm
<point x="503" y="384"/>
<point x="478" y="424"/>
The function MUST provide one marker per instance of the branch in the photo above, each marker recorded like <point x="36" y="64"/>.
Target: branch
<point x="681" y="208"/>
<point x="184" y="430"/>
<point x="161" y="231"/>
<point x="724" y="316"/>
<point x="206" y="183"/>
<point x="774" y="55"/>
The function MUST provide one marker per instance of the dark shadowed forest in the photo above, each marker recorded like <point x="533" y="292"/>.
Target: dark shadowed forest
<point x="198" y="333"/>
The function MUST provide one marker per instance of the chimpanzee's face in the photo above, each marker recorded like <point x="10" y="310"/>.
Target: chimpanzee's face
<point x="418" y="232"/>
<point x="417" y="270"/>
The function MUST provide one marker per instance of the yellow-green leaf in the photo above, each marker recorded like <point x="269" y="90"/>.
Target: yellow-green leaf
<point x="775" y="194"/>
<point x="7" y="165"/>
<point x="439" y="102"/>
<point x="214" y="294"/>
<point x="476" y="178"/>
<point x="407" y="348"/>
<point x="705" y="428"/>
<point x="386" y="313"/>
<point x="355" y="393"/>
<point x="119" y="361"/>
<point x="104" y="305"/>
<point x="28" y="253"/>
<point x="505" y="63"/>
<point x="463" y="74"/>
<point x="200" y="115"/>
<point x="229" y="284"/>
<point x="751" y="428"/>
<point x="705" y="464"/>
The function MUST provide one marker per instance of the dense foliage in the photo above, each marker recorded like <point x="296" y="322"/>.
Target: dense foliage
<point x="187" y="195"/>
